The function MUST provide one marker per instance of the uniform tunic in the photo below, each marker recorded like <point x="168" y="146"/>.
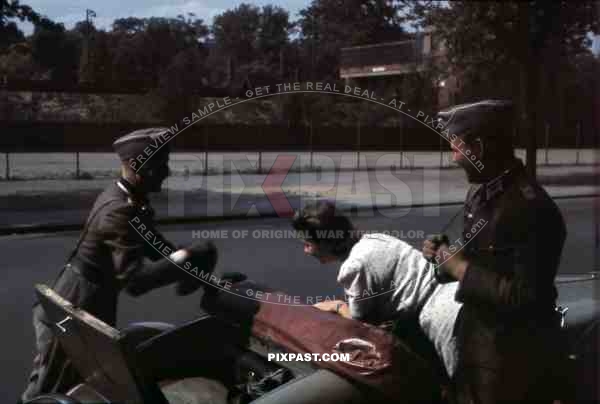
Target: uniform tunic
<point x="109" y="257"/>
<point x="506" y="330"/>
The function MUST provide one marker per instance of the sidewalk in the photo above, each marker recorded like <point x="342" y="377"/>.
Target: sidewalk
<point x="36" y="166"/>
<point x="56" y="205"/>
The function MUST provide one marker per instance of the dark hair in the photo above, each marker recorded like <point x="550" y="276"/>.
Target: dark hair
<point x="334" y="234"/>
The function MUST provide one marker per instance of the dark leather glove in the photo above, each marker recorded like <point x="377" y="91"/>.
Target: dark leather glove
<point x="429" y="253"/>
<point x="203" y="256"/>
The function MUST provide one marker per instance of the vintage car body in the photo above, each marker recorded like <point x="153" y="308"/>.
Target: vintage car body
<point x="221" y="356"/>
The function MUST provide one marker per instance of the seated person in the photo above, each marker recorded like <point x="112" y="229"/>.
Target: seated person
<point x="384" y="278"/>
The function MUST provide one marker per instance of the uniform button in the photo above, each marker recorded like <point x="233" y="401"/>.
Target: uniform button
<point x="491" y="247"/>
<point x="470" y="216"/>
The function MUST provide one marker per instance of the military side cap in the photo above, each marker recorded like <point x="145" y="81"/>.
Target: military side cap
<point x="143" y="142"/>
<point x="488" y="118"/>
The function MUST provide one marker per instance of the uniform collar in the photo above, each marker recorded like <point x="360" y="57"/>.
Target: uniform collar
<point x="497" y="185"/>
<point x="133" y="194"/>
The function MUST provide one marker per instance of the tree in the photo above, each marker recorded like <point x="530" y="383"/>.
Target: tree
<point x="180" y="83"/>
<point x="17" y="63"/>
<point x="10" y="9"/>
<point x="56" y="50"/>
<point x="516" y="48"/>
<point x="50" y="47"/>
<point x="128" y="26"/>
<point x="142" y="49"/>
<point x="10" y="34"/>
<point x="253" y="43"/>
<point x="236" y="32"/>
<point x="9" y="31"/>
<point x="273" y="32"/>
<point x="581" y="83"/>
<point x="329" y="25"/>
<point x="96" y="60"/>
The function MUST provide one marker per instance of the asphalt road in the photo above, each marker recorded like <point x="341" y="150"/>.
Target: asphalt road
<point x="266" y="257"/>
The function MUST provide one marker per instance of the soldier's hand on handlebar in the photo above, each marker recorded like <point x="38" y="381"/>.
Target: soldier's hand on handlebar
<point x="202" y="258"/>
<point x="450" y="262"/>
<point x="431" y="246"/>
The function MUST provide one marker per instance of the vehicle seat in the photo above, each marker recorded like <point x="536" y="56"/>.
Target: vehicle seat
<point x="84" y="394"/>
<point x="107" y="359"/>
<point x="99" y="352"/>
<point x="53" y="399"/>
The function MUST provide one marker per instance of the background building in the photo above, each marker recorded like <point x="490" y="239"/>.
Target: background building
<point x="393" y="68"/>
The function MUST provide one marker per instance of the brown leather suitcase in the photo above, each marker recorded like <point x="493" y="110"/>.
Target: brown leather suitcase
<point x="377" y="358"/>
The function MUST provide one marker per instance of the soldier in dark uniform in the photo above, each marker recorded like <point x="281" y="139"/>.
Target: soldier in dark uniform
<point x="109" y="256"/>
<point x="513" y="235"/>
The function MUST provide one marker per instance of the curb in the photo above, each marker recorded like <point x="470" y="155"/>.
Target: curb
<point x="57" y="228"/>
<point x="266" y="171"/>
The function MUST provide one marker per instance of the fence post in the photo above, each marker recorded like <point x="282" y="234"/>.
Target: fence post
<point x="311" y="145"/>
<point x="577" y="143"/>
<point x="259" y="166"/>
<point x="76" y="165"/>
<point x="401" y="146"/>
<point x="7" y="171"/>
<point x="547" y="132"/>
<point x="441" y="153"/>
<point x="205" y="134"/>
<point x="358" y="141"/>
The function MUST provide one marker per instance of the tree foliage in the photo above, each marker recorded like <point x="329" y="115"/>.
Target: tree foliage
<point x="56" y="50"/>
<point x="236" y="32"/>
<point x="11" y="10"/>
<point x="488" y="42"/>
<point x="490" y="45"/>
<point x="253" y="44"/>
<point x="326" y="26"/>
<point x="522" y="50"/>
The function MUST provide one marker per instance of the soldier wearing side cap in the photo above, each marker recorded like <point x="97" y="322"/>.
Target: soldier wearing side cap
<point x="507" y="329"/>
<point x="109" y="256"/>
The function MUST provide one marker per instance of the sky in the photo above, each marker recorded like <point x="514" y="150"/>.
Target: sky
<point x="71" y="11"/>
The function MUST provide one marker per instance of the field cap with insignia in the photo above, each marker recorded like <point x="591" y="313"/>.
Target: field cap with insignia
<point x="143" y="144"/>
<point x="483" y="119"/>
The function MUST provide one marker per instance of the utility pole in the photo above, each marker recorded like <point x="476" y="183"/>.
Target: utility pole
<point x="281" y="63"/>
<point x="89" y="14"/>
<point x="528" y="99"/>
<point x="312" y="78"/>
<point x="312" y="49"/>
